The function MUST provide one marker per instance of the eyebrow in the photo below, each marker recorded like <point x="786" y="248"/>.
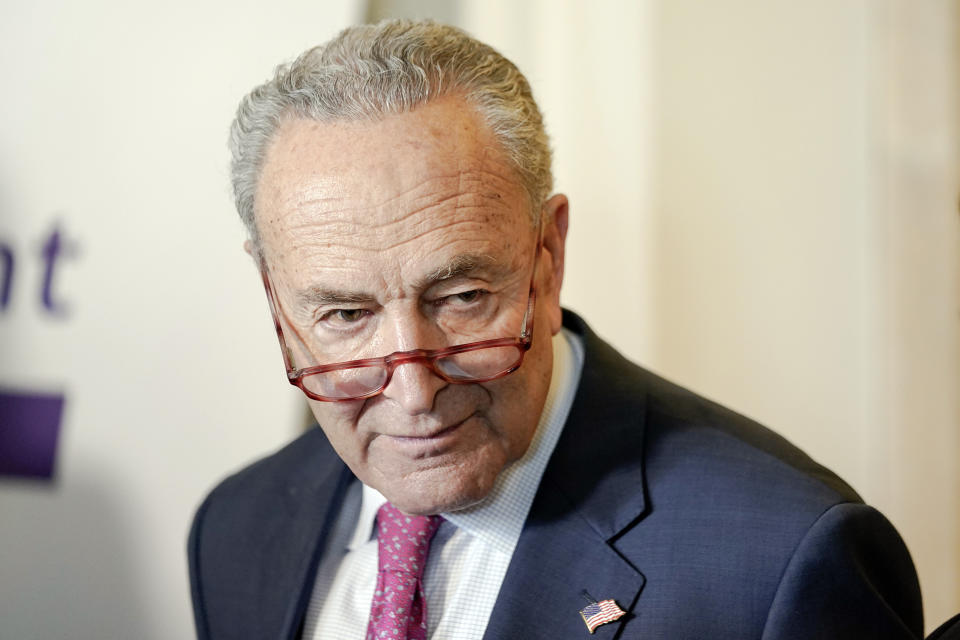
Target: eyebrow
<point x="321" y="296"/>
<point x="461" y="265"/>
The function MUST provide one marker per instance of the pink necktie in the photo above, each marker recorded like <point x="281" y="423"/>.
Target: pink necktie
<point x="398" y="610"/>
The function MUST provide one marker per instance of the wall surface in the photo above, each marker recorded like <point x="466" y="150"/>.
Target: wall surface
<point x="153" y="325"/>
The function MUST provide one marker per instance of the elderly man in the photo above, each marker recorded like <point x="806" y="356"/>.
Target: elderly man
<point x="485" y="466"/>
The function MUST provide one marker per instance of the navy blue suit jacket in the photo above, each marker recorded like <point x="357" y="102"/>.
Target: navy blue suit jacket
<point x="697" y="521"/>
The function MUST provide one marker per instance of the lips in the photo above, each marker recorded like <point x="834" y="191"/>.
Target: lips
<point x="433" y="443"/>
<point x="427" y="430"/>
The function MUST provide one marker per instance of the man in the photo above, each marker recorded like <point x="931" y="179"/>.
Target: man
<point x="395" y="184"/>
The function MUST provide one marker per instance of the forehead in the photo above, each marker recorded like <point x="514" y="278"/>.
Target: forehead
<point x="396" y="189"/>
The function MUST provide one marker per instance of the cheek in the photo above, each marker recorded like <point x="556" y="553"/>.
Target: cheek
<point x="516" y="409"/>
<point x="527" y="396"/>
<point x="339" y="422"/>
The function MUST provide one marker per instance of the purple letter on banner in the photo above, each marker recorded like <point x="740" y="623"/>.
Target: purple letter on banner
<point x="29" y="428"/>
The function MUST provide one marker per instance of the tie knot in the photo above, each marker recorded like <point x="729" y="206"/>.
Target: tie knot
<point x="404" y="540"/>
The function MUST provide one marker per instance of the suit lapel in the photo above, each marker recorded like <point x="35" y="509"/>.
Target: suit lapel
<point x="555" y="560"/>
<point x="291" y="555"/>
<point x="592" y="490"/>
<point x="309" y="550"/>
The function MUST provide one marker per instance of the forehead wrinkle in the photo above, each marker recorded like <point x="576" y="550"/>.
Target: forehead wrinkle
<point x="466" y="229"/>
<point x="474" y="181"/>
<point x="366" y="232"/>
<point x="443" y="185"/>
<point x="429" y="214"/>
<point x="493" y="182"/>
<point x="317" y="200"/>
<point x="332" y="211"/>
<point x="353" y="239"/>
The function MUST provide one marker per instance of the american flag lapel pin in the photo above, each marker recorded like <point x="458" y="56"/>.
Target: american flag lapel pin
<point x="598" y="613"/>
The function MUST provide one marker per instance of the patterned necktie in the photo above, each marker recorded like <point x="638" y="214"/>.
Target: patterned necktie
<point x="398" y="610"/>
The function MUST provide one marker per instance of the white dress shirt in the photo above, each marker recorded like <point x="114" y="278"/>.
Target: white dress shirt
<point x="470" y="552"/>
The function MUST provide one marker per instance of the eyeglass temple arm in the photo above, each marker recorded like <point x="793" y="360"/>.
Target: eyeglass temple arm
<point x="275" y="312"/>
<point x="528" y="316"/>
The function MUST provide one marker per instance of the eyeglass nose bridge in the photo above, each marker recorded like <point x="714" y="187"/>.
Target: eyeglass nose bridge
<point x="415" y="356"/>
<point x="424" y="357"/>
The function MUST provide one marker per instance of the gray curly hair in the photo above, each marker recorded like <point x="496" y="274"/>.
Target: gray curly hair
<point x="371" y="71"/>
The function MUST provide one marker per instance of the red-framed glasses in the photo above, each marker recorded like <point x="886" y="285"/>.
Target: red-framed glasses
<point x="460" y="364"/>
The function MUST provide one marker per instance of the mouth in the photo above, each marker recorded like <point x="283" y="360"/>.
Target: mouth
<point x="436" y="443"/>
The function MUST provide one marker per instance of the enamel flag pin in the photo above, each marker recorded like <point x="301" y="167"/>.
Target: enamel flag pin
<point x="598" y="613"/>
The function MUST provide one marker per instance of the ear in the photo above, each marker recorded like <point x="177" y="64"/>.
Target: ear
<point x="556" y="212"/>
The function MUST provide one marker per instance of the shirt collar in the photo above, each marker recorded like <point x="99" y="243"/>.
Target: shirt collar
<point x="370" y="502"/>
<point x="498" y="520"/>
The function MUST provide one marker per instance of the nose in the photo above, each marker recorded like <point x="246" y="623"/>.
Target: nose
<point x="414" y="386"/>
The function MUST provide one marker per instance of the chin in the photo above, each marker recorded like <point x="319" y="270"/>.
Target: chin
<point x="438" y="491"/>
<point x="428" y="507"/>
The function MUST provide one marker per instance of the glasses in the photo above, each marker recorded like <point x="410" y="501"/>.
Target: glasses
<point x="358" y="379"/>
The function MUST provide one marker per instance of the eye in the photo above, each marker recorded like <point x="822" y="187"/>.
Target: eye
<point x="344" y="316"/>
<point x="463" y="298"/>
<point x="469" y="296"/>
